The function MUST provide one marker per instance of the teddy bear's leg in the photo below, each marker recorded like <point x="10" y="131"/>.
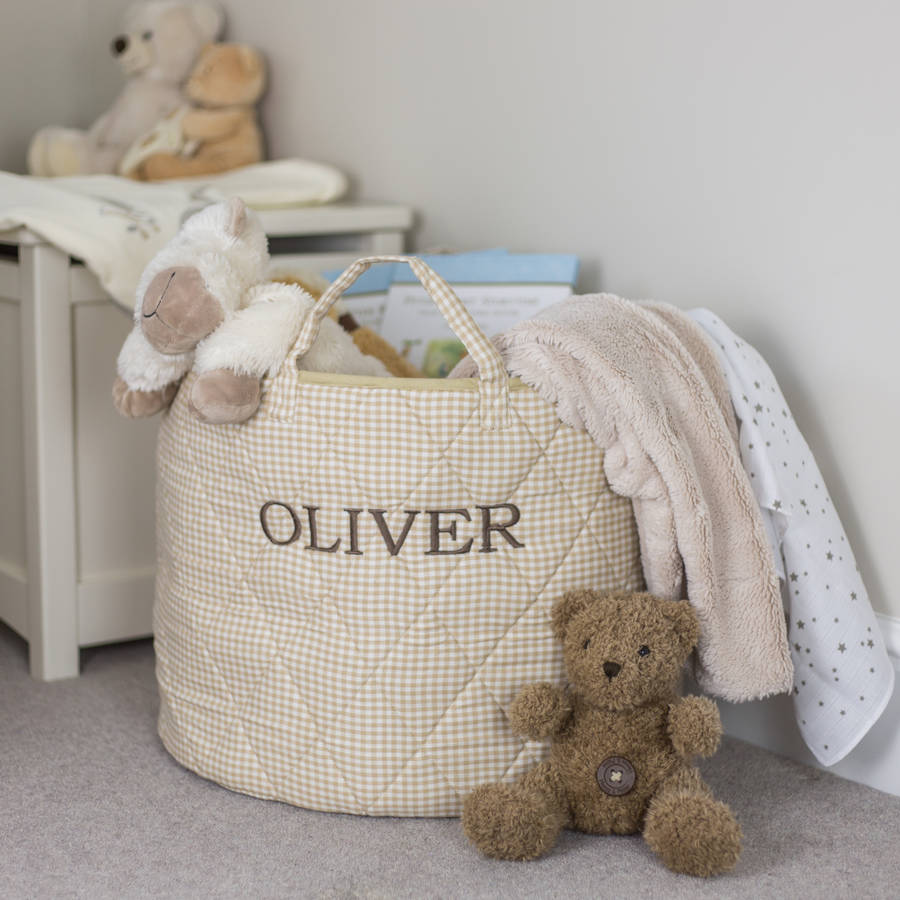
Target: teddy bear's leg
<point x="689" y="829"/>
<point x="59" y="151"/>
<point x="516" y="821"/>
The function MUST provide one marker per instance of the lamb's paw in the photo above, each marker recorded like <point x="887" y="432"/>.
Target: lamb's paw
<point x="140" y="404"/>
<point x="222" y="397"/>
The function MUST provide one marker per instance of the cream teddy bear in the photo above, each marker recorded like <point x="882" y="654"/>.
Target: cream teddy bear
<point x="203" y="303"/>
<point x="156" y="51"/>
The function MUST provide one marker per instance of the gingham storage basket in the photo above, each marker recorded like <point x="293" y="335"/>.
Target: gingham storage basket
<point x="354" y="584"/>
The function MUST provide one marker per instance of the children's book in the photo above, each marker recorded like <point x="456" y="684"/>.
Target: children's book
<point x="498" y="288"/>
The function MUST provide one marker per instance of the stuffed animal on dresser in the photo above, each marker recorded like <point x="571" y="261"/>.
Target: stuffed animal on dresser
<point x="156" y="51"/>
<point x="621" y="742"/>
<point x="204" y="304"/>
<point x="218" y="132"/>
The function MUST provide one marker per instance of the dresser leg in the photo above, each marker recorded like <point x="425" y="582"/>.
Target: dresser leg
<point x="49" y="422"/>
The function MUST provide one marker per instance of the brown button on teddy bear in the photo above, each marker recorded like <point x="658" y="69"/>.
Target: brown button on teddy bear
<point x="621" y="742"/>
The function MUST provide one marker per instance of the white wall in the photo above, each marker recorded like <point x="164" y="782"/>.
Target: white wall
<point x="55" y="67"/>
<point x="739" y="155"/>
<point x="743" y="156"/>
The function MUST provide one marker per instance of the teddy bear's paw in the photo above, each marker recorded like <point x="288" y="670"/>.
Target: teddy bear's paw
<point x="693" y="834"/>
<point x="508" y="822"/>
<point x="177" y="310"/>
<point x="695" y="726"/>
<point x="140" y="404"/>
<point x="222" y="397"/>
<point x="538" y="711"/>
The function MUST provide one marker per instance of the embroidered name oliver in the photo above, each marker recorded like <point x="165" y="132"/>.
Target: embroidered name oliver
<point x="441" y="522"/>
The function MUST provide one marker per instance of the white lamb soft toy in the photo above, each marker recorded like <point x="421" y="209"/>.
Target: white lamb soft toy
<point x="203" y="304"/>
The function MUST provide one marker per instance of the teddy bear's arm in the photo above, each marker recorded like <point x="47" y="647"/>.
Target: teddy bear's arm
<point x="211" y="124"/>
<point x="539" y="711"/>
<point x="694" y="726"/>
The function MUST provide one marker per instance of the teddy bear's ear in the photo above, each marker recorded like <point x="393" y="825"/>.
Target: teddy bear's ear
<point x="682" y="615"/>
<point x="251" y="58"/>
<point x="566" y="608"/>
<point x="209" y="19"/>
<point x="235" y="216"/>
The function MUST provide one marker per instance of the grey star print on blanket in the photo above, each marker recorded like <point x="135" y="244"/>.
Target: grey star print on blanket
<point x="843" y="677"/>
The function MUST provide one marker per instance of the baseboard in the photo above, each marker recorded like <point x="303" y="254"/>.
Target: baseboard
<point x="875" y="761"/>
<point x="14" y="597"/>
<point x="115" y="606"/>
<point x="890" y="630"/>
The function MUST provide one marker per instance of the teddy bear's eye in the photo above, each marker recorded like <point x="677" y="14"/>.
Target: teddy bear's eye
<point x="147" y="35"/>
<point x="586" y="644"/>
<point x="644" y="651"/>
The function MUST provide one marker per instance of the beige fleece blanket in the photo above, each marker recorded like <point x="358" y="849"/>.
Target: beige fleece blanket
<point x="642" y="380"/>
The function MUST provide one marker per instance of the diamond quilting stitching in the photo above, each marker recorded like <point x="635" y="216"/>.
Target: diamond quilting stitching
<point x="373" y="683"/>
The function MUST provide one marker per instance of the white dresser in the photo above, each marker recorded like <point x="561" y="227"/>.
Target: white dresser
<point x="76" y="480"/>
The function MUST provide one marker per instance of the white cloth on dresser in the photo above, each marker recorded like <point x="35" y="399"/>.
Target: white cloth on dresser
<point x="116" y="225"/>
<point x="619" y="371"/>
<point x="843" y="677"/>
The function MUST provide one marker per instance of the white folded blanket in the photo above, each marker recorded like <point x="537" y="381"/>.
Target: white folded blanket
<point x="617" y="370"/>
<point x="843" y="675"/>
<point x="116" y="226"/>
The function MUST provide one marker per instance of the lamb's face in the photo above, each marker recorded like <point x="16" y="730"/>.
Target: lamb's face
<point x="178" y="311"/>
<point x="204" y="273"/>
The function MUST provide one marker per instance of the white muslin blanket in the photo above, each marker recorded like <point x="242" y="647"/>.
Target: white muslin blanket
<point x="116" y="226"/>
<point x="626" y="374"/>
<point x="843" y="677"/>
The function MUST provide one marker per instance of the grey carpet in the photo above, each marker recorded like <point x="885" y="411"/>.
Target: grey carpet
<point x="92" y="806"/>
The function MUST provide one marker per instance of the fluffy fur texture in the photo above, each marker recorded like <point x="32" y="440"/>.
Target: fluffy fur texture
<point x="157" y="50"/>
<point x="368" y="341"/>
<point x="642" y="382"/>
<point x="221" y="125"/>
<point x="238" y="329"/>
<point x="624" y="654"/>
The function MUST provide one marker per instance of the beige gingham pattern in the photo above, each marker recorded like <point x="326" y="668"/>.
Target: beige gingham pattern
<point x="371" y="684"/>
<point x="493" y="378"/>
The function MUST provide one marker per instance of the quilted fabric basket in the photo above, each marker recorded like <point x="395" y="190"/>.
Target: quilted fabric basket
<point x="354" y="584"/>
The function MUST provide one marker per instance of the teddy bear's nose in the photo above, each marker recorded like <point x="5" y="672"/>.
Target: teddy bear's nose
<point x="119" y="45"/>
<point x="611" y="669"/>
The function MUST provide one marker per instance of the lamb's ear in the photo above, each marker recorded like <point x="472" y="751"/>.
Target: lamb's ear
<point x="235" y="216"/>
<point x="209" y="18"/>
<point x="683" y="617"/>
<point x="566" y="608"/>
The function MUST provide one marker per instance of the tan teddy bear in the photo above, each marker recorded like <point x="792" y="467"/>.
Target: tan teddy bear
<point x="157" y="50"/>
<point x="620" y="760"/>
<point x="220" y="130"/>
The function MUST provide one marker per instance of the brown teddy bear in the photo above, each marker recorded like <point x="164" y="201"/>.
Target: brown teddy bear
<point x="220" y="128"/>
<point x="622" y="742"/>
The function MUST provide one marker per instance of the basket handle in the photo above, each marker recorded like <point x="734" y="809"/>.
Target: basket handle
<point x="493" y="380"/>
